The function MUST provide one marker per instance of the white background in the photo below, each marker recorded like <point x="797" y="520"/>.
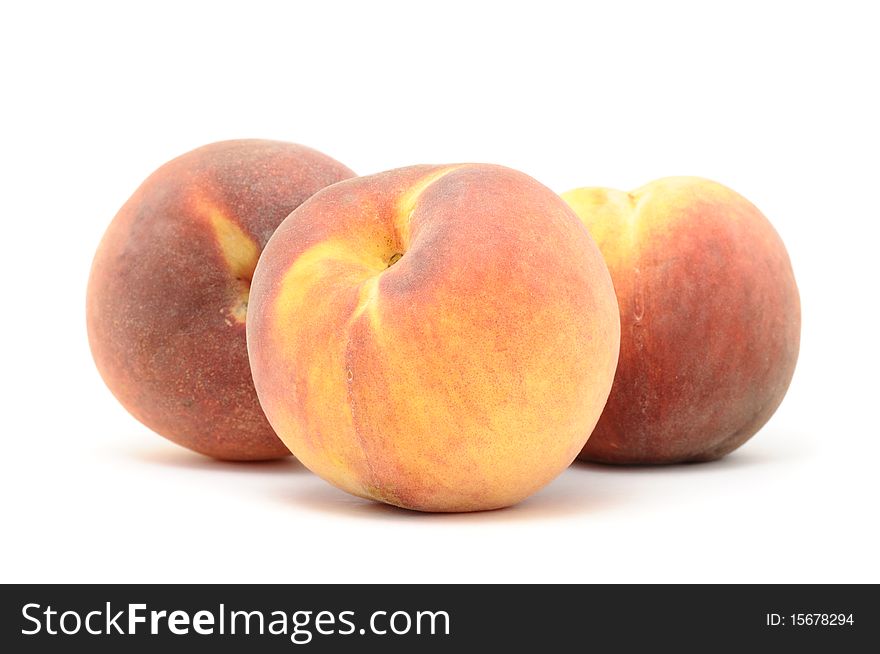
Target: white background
<point x="778" y="101"/>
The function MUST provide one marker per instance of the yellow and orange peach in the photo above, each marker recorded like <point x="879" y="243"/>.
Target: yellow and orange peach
<point x="440" y="338"/>
<point x="168" y="291"/>
<point x="710" y="320"/>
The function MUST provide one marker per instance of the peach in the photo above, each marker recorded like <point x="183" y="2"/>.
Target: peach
<point x="710" y="320"/>
<point x="168" y="290"/>
<point x="440" y="338"/>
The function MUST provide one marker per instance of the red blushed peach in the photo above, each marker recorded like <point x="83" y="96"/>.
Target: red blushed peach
<point x="168" y="291"/>
<point x="710" y="320"/>
<point x="441" y="338"/>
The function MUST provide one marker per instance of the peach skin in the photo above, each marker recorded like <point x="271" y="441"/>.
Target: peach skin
<point x="440" y="338"/>
<point x="710" y="320"/>
<point x="168" y="291"/>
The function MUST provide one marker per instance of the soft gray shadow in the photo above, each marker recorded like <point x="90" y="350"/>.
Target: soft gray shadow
<point x="583" y="490"/>
<point x="749" y="456"/>
<point x="178" y="457"/>
<point x="569" y="495"/>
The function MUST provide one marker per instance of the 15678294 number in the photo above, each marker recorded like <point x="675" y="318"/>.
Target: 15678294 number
<point x="821" y="619"/>
<point x="809" y="619"/>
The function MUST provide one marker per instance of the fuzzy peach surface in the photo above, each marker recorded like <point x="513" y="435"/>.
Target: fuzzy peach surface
<point x="168" y="292"/>
<point x="710" y="319"/>
<point x="441" y="338"/>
